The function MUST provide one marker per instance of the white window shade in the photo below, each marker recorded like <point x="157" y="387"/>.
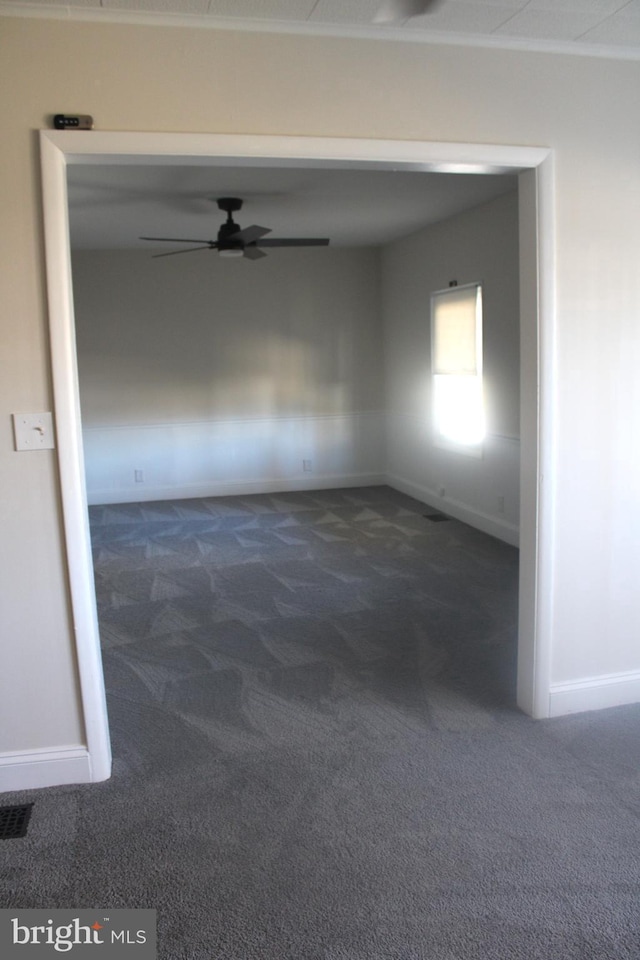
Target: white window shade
<point x="456" y="349"/>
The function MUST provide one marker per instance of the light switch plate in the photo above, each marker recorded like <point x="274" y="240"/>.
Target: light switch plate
<point x="33" y="431"/>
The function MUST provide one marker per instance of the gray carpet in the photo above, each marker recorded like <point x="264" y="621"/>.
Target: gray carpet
<point x="317" y="755"/>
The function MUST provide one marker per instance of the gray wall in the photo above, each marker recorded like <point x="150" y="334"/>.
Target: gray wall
<point x="215" y="376"/>
<point x="478" y="246"/>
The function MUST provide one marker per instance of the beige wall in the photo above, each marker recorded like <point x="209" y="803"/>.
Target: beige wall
<point x="170" y="79"/>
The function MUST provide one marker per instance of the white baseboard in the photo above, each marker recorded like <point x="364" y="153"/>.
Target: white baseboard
<point x="234" y="488"/>
<point x="44" y="768"/>
<point x="594" y="693"/>
<point x="494" y="526"/>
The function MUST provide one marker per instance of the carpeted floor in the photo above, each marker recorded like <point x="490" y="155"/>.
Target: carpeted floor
<point x="317" y="755"/>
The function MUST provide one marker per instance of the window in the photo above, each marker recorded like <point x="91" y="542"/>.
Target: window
<point x="456" y="352"/>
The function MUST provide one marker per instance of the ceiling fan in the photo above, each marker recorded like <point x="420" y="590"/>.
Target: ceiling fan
<point x="232" y="241"/>
<point x="391" y="11"/>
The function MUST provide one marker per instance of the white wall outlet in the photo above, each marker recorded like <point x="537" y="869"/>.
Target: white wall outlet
<point x="442" y="491"/>
<point x="306" y="466"/>
<point x="33" y="431"/>
<point x="501" y="504"/>
<point x="138" y="476"/>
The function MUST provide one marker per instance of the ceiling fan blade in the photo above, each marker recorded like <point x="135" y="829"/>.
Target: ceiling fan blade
<point x="175" y="240"/>
<point x="249" y="234"/>
<point x="391" y="11"/>
<point x="294" y="242"/>
<point x="252" y="252"/>
<point x="172" y="253"/>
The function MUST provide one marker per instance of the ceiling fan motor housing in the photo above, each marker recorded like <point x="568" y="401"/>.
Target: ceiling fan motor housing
<point x="229" y="204"/>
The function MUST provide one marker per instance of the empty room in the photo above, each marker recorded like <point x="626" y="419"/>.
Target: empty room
<point x="208" y="375"/>
<point x="319" y="601"/>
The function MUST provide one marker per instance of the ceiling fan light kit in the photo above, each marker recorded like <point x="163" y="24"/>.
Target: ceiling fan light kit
<point x="233" y="242"/>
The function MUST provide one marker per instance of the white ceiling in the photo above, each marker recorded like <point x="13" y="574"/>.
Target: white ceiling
<point x="112" y="206"/>
<point x="607" y="27"/>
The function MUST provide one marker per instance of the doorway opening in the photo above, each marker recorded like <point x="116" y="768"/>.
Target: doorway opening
<point x="533" y="166"/>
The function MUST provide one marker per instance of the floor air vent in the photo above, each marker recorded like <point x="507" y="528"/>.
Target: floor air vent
<point x="436" y="517"/>
<point x="14" y="821"/>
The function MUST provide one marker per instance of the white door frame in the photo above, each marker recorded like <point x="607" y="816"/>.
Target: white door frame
<point x="535" y="165"/>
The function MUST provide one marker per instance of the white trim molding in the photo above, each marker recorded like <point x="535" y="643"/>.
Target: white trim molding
<point x="71" y="459"/>
<point x="236" y="488"/>
<point x="32" y="769"/>
<point x="494" y="526"/>
<point x="594" y="693"/>
<point x="236" y="456"/>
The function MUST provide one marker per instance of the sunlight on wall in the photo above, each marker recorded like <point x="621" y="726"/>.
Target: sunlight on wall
<point x="459" y="408"/>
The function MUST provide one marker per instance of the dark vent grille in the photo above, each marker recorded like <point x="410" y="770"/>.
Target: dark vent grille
<point x="436" y="517"/>
<point x="14" y="821"/>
